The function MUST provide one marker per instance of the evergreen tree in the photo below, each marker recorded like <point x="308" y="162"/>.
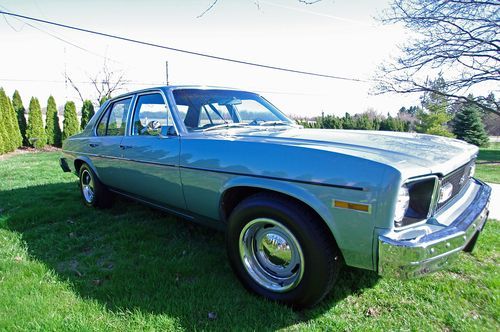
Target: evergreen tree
<point x="87" y="113"/>
<point x="104" y="99"/>
<point x="434" y="118"/>
<point x="70" y="123"/>
<point x="2" y="145"/>
<point x="347" y="122"/>
<point x="17" y="103"/>
<point x="389" y="124"/>
<point x="52" y="127"/>
<point x="468" y="126"/>
<point x="330" y="122"/>
<point x="12" y="136"/>
<point x="4" y="136"/>
<point x="35" y="132"/>
<point x="17" y="138"/>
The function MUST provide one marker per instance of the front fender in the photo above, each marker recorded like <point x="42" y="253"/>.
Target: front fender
<point x="295" y="190"/>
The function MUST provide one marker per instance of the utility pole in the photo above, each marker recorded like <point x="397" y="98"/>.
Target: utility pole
<point x="65" y="77"/>
<point x="166" y="71"/>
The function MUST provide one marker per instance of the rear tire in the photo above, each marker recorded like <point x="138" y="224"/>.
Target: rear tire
<point x="281" y="251"/>
<point x="94" y="193"/>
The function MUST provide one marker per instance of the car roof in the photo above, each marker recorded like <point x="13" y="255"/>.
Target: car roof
<point x="167" y="88"/>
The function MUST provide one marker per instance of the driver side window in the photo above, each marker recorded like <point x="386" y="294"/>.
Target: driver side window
<point x="151" y="116"/>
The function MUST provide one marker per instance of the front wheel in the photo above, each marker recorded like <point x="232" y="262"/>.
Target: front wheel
<point x="281" y="251"/>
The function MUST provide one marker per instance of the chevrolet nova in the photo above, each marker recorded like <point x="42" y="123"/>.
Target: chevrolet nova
<point x="295" y="203"/>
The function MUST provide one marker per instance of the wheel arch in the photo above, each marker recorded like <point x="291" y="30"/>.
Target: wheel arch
<point x="237" y="190"/>
<point x="80" y="160"/>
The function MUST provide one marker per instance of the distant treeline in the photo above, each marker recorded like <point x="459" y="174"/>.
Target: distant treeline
<point x="365" y="121"/>
<point x="464" y="120"/>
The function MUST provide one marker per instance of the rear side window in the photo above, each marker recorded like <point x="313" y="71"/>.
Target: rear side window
<point x="114" y="121"/>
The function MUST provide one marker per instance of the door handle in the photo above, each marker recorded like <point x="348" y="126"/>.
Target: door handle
<point x="93" y="145"/>
<point x="124" y="147"/>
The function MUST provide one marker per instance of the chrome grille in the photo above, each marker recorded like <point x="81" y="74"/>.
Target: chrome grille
<point x="458" y="178"/>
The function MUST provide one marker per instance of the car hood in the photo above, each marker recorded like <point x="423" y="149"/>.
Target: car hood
<point x="412" y="154"/>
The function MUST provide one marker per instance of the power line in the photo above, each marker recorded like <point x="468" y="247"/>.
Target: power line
<point x="294" y="93"/>
<point x="56" y="37"/>
<point x="301" y="10"/>
<point x="205" y="55"/>
<point x="80" y="82"/>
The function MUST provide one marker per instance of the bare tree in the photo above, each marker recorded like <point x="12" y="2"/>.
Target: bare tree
<point x="256" y="2"/>
<point x="459" y="38"/>
<point x="105" y="83"/>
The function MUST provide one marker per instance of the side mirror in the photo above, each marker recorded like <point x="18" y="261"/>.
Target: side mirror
<point x="154" y="125"/>
<point x="167" y="131"/>
<point x="153" y="128"/>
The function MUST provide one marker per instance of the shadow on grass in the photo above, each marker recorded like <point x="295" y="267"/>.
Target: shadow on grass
<point x="132" y="258"/>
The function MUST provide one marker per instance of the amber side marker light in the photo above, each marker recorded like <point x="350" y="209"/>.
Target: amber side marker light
<point x="352" y="206"/>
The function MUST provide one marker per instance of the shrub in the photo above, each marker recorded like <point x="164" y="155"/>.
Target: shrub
<point x="52" y="128"/>
<point x="4" y="143"/>
<point x="87" y="113"/>
<point x="12" y="136"/>
<point x="17" y="103"/>
<point x="35" y="132"/>
<point x="70" y="123"/>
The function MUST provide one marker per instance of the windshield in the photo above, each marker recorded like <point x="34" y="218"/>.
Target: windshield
<point x="213" y="109"/>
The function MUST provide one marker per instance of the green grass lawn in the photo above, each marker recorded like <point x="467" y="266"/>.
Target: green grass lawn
<point x="67" y="267"/>
<point x="488" y="163"/>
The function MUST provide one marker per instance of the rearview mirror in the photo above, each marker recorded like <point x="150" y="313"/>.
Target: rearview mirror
<point x="233" y="101"/>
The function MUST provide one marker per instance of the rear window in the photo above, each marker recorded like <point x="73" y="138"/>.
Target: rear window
<point x="114" y="121"/>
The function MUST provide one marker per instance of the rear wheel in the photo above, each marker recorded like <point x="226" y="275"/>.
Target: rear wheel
<point x="281" y="251"/>
<point x="94" y="193"/>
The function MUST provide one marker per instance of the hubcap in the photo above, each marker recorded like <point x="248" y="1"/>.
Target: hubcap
<point x="87" y="186"/>
<point x="271" y="255"/>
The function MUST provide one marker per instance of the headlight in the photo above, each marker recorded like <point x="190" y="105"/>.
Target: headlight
<point x="402" y="204"/>
<point x="414" y="202"/>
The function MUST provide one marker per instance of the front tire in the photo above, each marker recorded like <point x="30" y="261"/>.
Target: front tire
<point x="93" y="192"/>
<point x="281" y="251"/>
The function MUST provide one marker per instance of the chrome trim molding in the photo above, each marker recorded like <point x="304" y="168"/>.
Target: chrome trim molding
<point x="428" y="252"/>
<point x="223" y="172"/>
<point x="274" y="178"/>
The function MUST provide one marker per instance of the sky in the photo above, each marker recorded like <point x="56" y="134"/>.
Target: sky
<point x="339" y="38"/>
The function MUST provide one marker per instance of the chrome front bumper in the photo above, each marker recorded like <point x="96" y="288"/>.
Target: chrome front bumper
<point x="434" y="251"/>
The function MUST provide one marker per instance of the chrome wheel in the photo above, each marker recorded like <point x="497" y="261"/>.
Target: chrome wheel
<point x="271" y="255"/>
<point x="87" y="186"/>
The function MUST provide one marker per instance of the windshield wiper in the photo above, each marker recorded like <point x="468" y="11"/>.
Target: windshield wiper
<point x="225" y="125"/>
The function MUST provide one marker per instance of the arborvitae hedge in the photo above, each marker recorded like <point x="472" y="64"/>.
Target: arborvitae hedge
<point x="70" y="123"/>
<point x="17" y="103"/>
<point x="35" y="131"/>
<point x="87" y="113"/>
<point x="11" y="137"/>
<point x="52" y="128"/>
